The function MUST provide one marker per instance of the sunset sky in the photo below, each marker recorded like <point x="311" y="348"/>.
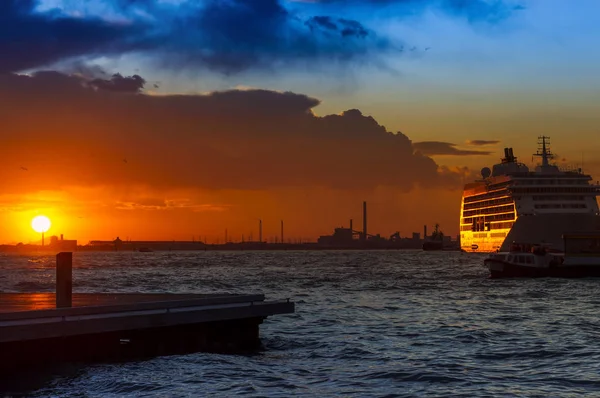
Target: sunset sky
<point x="174" y="119"/>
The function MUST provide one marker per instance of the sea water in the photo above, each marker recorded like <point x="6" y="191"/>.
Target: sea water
<point x="367" y="323"/>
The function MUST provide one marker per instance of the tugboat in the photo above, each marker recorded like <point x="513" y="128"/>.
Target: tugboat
<point x="580" y="259"/>
<point x="435" y="241"/>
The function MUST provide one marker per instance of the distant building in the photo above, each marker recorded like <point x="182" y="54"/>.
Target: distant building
<point x="377" y="238"/>
<point x="131" y="245"/>
<point x="117" y="243"/>
<point x="62" y="244"/>
<point x="341" y="236"/>
<point x="101" y="243"/>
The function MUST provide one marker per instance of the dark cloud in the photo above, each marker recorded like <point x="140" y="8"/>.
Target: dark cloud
<point x="482" y="142"/>
<point x="255" y="139"/>
<point x="476" y="10"/>
<point x="337" y="27"/>
<point x="29" y="39"/>
<point x="227" y="36"/>
<point x="235" y="35"/>
<point x="432" y="148"/>
<point x="473" y="10"/>
<point x="118" y="83"/>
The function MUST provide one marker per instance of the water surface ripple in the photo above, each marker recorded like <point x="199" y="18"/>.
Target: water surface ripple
<point x="372" y="323"/>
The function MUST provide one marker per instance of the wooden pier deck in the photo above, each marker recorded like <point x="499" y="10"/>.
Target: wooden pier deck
<point x="17" y="302"/>
<point x="117" y="326"/>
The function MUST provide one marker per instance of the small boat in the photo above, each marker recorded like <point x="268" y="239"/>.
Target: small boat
<point x="580" y="259"/>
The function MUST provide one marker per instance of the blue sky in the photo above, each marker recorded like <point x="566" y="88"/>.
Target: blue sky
<point x="356" y="45"/>
<point x="387" y="34"/>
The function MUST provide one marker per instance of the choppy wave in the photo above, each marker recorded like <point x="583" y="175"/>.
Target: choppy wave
<point x="389" y="323"/>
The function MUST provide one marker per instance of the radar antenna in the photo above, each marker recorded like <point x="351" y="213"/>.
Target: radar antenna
<point x="544" y="150"/>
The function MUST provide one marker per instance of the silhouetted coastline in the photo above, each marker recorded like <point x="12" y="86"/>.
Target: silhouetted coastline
<point x="343" y="238"/>
<point x="151" y="246"/>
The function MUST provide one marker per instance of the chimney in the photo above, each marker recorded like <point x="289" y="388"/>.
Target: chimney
<point x="351" y="229"/>
<point x="61" y="236"/>
<point x="281" y="231"/>
<point x="506" y="153"/>
<point x="510" y="153"/>
<point x="424" y="231"/>
<point x="365" y="220"/>
<point x="260" y="231"/>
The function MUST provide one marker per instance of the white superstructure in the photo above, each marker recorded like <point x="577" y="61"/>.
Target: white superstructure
<point x="513" y="204"/>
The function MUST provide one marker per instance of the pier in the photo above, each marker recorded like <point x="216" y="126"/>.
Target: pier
<point x="38" y="328"/>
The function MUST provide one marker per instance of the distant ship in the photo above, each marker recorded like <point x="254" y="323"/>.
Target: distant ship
<point x="513" y="204"/>
<point x="435" y="241"/>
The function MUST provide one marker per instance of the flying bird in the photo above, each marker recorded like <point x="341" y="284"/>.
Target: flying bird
<point x="24" y="168"/>
<point x="124" y="160"/>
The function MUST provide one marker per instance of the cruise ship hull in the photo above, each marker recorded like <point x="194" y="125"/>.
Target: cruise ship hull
<point x="483" y="242"/>
<point x="547" y="229"/>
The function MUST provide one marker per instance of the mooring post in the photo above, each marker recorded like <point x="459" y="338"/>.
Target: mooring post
<point x="64" y="279"/>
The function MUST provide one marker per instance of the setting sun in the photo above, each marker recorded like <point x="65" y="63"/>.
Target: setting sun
<point x="40" y="224"/>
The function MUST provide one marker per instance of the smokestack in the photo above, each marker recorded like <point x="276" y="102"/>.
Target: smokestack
<point x="260" y="231"/>
<point x="424" y="231"/>
<point x="61" y="236"/>
<point x="510" y="152"/>
<point x="365" y="220"/>
<point x="351" y="229"/>
<point x="281" y="231"/>
<point x="506" y="153"/>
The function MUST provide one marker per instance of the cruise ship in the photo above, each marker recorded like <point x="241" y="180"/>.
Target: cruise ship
<point x="510" y="204"/>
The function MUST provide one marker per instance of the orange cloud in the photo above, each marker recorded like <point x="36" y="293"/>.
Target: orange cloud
<point x="65" y="133"/>
<point x="432" y="148"/>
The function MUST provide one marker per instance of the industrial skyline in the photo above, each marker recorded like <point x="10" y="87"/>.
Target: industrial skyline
<point x="341" y="237"/>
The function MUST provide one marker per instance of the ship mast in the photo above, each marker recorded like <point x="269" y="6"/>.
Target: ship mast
<point x="544" y="150"/>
